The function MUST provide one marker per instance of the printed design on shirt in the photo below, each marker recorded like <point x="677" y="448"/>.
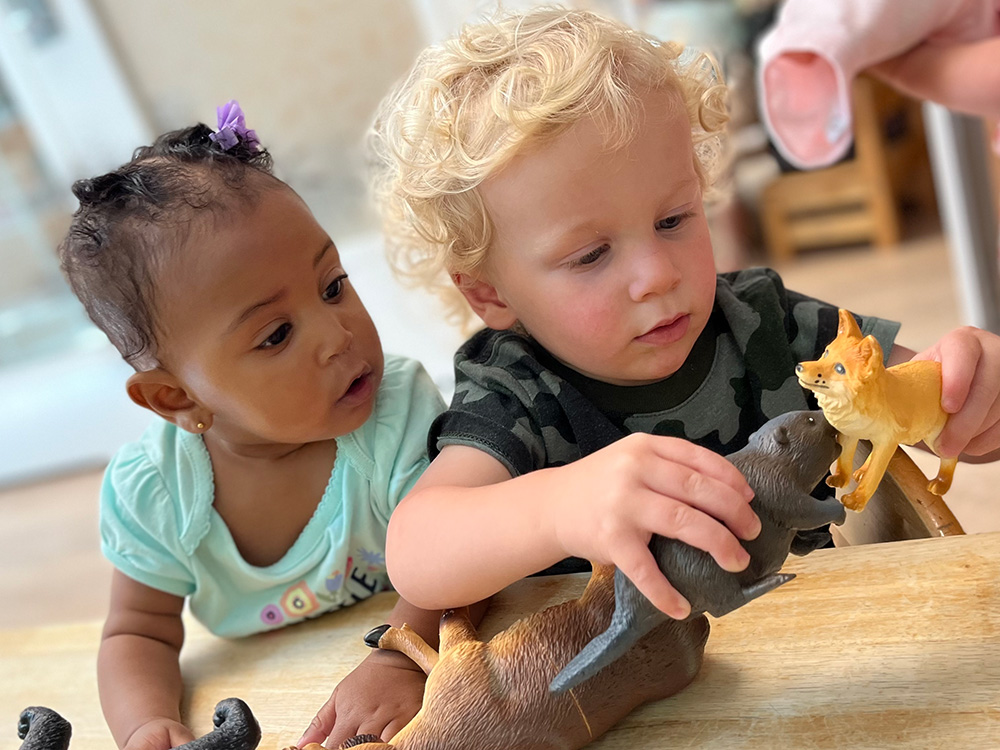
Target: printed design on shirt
<point x="299" y="600"/>
<point x="335" y="580"/>
<point x="374" y="559"/>
<point x="356" y="581"/>
<point x="272" y="615"/>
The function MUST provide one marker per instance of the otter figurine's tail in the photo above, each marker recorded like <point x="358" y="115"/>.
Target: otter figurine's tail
<point x="635" y="616"/>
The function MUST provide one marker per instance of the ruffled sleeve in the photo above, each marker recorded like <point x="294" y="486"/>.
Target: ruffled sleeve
<point x="141" y="523"/>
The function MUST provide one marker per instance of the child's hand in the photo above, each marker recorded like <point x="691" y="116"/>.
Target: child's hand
<point x="379" y="697"/>
<point x="614" y="500"/>
<point x="159" y="734"/>
<point x="970" y="390"/>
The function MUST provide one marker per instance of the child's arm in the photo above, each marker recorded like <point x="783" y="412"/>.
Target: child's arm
<point x="468" y="530"/>
<point x="963" y="77"/>
<point x="970" y="391"/>
<point x="138" y="669"/>
<point x="385" y="691"/>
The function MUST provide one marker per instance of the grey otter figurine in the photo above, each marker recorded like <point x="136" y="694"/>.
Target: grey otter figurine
<point x="784" y="460"/>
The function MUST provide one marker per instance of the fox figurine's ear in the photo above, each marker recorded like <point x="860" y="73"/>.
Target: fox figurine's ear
<point x="848" y="325"/>
<point x="871" y="354"/>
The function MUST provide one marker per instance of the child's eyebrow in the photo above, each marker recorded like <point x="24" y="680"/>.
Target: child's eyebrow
<point x="243" y="316"/>
<point x="322" y="252"/>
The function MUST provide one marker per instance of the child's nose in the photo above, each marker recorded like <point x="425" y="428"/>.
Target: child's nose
<point x="335" y="339"/>
<point x="654" y="274"/>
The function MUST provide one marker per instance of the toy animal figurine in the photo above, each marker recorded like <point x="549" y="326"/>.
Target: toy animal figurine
<point x="494" y="695"/>
<point x="43" y="729"/>
<point x="235" y="729"/>
<point x="783" y="462"/>
<point x="865" y="400"/>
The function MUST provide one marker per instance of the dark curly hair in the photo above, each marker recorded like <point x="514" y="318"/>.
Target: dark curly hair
<point x="129" y="220"/>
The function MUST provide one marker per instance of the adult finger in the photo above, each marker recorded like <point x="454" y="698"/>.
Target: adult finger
<point x="704" y="492"/>
<point x="678" y="520"/>
<point x="640" y="567"/>
<point x="322" y="724"/>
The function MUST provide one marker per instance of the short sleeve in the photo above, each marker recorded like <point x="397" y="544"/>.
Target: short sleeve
<point x="813" y="325"/>
<point x="140" y="533"/>
<point x="502" y="405"/>
<point x="408" y="404"/>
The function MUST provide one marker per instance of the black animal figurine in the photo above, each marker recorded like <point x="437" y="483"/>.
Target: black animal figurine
<point x="783" y="462"/>
<point x="235" y="729"/>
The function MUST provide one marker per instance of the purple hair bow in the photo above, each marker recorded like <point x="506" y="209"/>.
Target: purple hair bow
<point x="233" y="128"/>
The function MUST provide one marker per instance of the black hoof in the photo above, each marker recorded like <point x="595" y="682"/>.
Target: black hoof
<point x="373" y="636"/>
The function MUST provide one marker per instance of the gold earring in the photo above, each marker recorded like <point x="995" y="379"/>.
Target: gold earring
<point x="200" y="425"/>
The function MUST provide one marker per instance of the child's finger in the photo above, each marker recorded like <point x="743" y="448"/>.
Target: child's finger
<point x="680" y="521"/>
<point x="715" y="499"/>
<point x="985" y="439"/>
<point x="975" y="416"/>
<point x="638" y="565"/>
<point x="959" y="356"/>
<point x="321" y="726"/>
<point x="702" y="461"/>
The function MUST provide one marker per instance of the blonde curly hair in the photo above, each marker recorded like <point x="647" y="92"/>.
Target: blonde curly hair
<point x="471" y="104"/>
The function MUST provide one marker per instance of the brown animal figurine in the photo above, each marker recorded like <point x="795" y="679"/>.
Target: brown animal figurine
<point x="865" y="400"/>
<point x="783" y="462"/>
<point x="495" y="695"/>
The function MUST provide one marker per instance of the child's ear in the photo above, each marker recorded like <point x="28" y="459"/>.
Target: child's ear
<point x="485" y="301"/>
<point x="161" y="393"/>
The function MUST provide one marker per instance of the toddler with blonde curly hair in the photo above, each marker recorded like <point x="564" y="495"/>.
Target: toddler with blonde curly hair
<point x="547" y="171"/>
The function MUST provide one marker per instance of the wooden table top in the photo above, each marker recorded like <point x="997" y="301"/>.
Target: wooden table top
<point x="881" y="646"/>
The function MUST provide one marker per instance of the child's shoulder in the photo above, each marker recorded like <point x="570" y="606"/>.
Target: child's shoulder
<point x="162" y="480"/>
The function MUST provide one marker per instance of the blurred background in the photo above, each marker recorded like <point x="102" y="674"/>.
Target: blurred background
<point x="83" y="82"/>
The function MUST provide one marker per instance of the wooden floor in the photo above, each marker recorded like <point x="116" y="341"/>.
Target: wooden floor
<point x="49" y="545"/>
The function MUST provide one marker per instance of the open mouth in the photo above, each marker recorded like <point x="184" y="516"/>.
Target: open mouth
<point x="360" y="387"/>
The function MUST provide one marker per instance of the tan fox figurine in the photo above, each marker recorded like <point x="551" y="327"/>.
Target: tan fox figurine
<point x="865" y="400"/>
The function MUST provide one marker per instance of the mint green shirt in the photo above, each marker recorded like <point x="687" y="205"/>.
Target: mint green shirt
<point x="158" y="525"/>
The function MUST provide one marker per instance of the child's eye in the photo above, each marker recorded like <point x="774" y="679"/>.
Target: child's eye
<point x="276" y="338"/>
<point x="671" y="222"/>
<point x="335" y="288"/>
<point x="592" y="257"/>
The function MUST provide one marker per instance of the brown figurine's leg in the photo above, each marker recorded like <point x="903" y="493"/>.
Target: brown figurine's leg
<point x="872" y="472"/>
<point x="405" y="640"/>
<point x="942" y="482"/>
<point x="841" y="474"/>
<point x="456" y="628"/>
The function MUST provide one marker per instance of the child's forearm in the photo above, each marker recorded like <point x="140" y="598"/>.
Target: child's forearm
<point x="492" y="535"/>
<point x="139" y="679"/>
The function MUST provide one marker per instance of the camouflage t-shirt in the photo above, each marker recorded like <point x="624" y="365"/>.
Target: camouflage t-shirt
<point x="514" y="401"/>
